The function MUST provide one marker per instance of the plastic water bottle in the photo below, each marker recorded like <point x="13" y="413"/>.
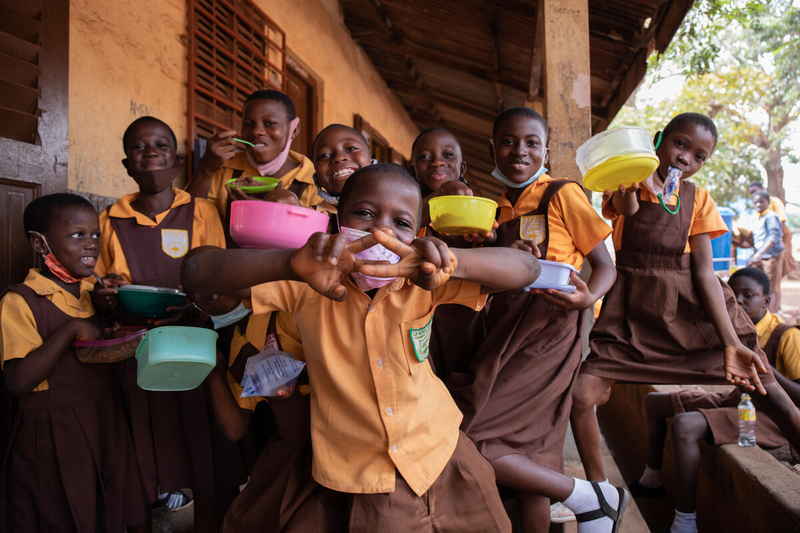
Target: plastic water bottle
<point x="747" y="422"/>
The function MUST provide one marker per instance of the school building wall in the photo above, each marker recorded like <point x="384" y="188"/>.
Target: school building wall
<point x="130" y="58"/>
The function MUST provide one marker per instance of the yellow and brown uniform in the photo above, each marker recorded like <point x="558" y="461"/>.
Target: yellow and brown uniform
<point x="70" y="465"/>
<point x="516" y="393"/>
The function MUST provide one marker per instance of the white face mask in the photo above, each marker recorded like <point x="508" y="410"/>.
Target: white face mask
<point x="231" y="317"/>
<point x="374" y="253"/>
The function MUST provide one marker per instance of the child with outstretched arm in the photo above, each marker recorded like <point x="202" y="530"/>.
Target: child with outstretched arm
<point x="384" y="427"/>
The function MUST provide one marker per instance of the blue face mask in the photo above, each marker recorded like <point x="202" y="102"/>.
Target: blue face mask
<point x="231" y="317"/>
<point x="500" y="177"/>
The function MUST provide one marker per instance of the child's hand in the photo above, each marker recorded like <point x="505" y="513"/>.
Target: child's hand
<point x="483" y="238"/>
<point x="106" y="297"/>
<point x="185" y="313"/>
<point x="282" y="395"/>
<point x="527" y="245"/>
<point x="219" y="149"/>
<point x="742" y="367"/>
<point x="452" y="188"/>
<point x="237" y="194"/>
<point x="579" y="300"/>
<point x="624" y="199"/>
<point x="324" y="259"/>
<point x="280" y="195"/>
<point x="428" y="262"/>
<point x="85" y="329"/>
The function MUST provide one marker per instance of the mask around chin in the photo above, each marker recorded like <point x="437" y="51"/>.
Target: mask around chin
<point x="153" y="181"/>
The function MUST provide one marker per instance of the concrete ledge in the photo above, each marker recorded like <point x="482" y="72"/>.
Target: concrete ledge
<point x="739" y="489"/>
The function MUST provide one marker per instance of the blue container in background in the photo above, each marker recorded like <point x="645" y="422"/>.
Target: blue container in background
<point x="721" y="246"/>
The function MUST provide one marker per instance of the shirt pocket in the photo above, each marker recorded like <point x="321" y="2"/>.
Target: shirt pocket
<point x="416" y="335"/>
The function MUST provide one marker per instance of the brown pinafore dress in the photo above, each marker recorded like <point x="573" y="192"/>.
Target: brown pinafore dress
<point x="281" y="495"/>
<point x="70" y="466"/>
<point x="653" y="326"/>
<point x="173" y="432"/>
<point x="517" y="394"/>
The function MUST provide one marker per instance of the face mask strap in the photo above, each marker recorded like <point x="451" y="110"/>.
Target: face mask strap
<point x="659" y="137"/>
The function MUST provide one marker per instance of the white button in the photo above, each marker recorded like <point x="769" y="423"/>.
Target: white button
<point x="379" y="362"/>
<point x="394" y="448"/>
<point x="372" y="310"/>
<point x="389" y="411"/>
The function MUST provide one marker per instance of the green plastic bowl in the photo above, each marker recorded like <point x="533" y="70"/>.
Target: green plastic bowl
<point x="152" y="302"/>
<point x="269" y="184"/>
<point x="175" y="358"/>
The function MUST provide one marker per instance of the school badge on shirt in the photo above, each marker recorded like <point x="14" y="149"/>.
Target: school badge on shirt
<point x="421" y="339"/>
<point x="175" y="242"/>
<point x="532" y="227"/>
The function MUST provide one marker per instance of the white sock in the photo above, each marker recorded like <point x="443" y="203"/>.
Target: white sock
<point x="583" y="499"/>
<point x="684" y="522"/>
<point x="651" y="479"/>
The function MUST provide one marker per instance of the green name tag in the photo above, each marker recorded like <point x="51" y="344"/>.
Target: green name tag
<point x="421" y="339"/>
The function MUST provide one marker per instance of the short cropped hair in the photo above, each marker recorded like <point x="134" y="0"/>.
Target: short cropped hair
<point x="331" y="126"/>
<point x="375" y="171"/>
<point x="514" y="112"/>
<point x="756" y="274"/>
<point x="275" y="96"/>
<point x="761" y="194"/>
<point x="757" y="185"/>
<point x="40" y="214"/>
<point x="126" y="137"/>
<point x="429" y="130"/>
<point x="684" y="119"/>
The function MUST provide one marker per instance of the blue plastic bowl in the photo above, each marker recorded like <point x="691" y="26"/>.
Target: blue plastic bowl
<point x="175" y="358"/>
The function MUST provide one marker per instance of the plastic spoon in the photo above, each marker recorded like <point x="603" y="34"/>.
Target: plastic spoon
<point x="245" y="142"/>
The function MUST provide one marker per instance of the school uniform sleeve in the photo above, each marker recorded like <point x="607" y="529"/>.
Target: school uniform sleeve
<point x="17" y="328"/>
<point x="570" y="210"/>
<point x="705" y="216"/>
<point x="609" y="211"/>
<point x="106" y="257"/>
<point x="774" y="228"/>
<point x="789" y="354"/>
<point x="237" y="343"/>
<point x="278" y="296"/>
<point x="457" y="291"/>
<point x="207" y="225"/>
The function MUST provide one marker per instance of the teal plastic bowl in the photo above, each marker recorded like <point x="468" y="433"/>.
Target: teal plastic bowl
<point x="152" y="302"/>
<point x="175" y="358"/>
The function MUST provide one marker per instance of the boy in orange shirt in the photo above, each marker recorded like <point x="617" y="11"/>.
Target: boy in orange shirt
<point x="384" y="428"/>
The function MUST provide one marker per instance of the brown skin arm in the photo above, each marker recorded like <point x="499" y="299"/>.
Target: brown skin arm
<point x="624" y="199"/>
<point x="219" y="149"/>
<point x="22" y="375"/>
<point x="742" y="365"/>
<point x="792" y="388"/>
<point x="231" y="419"/>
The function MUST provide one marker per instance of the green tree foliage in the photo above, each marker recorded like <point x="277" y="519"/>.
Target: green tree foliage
<point x="741" y="65"/>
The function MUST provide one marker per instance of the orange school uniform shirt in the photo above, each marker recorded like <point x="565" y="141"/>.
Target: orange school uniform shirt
<point x="705" y="216"/>
<point x="206" y="230"/>
<point x="777" y="207"/>
<point x="19" y="335"/>
<point x="376" y="406"/>
<point x="788" y="361"/>
<point x="575" y="228"/>
<point x="304" y="172"/>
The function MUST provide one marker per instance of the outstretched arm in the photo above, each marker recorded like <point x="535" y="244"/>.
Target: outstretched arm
<point x="742" y="365"/>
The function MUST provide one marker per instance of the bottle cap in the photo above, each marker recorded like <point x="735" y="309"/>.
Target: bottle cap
<point x="745" y="396"/>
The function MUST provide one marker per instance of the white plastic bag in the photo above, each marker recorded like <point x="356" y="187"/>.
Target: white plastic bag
<point x="269" y="372"/>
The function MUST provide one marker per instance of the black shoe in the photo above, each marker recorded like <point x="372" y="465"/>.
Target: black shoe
<point x="638" y="491"/>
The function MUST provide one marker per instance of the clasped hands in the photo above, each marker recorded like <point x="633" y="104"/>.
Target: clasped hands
<point x="325" y="259"/>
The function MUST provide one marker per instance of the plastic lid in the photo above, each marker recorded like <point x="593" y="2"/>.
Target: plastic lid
<point x="745" y="396"/>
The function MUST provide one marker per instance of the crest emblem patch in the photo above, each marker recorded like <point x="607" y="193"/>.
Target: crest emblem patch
<point x="175" y="242"/>
<point x="532" y="227"/>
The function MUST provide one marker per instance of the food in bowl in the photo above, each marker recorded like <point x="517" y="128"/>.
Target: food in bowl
<point x="462" y="215"/>
<point x="114" y="346"/>
<point x="253" y="184"/>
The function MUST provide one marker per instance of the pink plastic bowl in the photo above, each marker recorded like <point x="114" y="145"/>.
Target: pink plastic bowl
<point x="272" y="226"/>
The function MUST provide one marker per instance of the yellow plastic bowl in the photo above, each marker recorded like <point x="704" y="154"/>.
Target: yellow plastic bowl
<point x="462" y="215"/>
<point x="621" y="170"/>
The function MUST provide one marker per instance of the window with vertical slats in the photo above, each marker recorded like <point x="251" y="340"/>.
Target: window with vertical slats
<point x="235" y="49"/>
<point x="20" y="44"/>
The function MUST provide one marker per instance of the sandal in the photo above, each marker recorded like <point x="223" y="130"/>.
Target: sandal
<point x="605" y="509"/>
<point x="638" y="490"/>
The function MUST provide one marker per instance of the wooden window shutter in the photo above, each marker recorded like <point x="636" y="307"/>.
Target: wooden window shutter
<point x="235" y="49"/>
<point x="20" y="46"/>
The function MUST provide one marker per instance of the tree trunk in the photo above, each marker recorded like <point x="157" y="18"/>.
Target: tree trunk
<point x="774" y="169"/>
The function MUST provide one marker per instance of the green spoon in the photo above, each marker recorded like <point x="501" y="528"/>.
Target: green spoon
<point x="245" y="142"/>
